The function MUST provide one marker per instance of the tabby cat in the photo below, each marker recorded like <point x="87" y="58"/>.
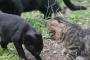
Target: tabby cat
<point x="76" y="41"/>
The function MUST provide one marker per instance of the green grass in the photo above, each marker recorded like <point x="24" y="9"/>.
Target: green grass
<point x="80" y="17"/>
<point x="8" y="54"/>
<point x="37" y="21"/>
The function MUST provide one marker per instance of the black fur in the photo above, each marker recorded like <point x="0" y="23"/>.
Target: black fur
<point x="72" y="6"/>
<point x="15" y="29"/>
<point x="47" y="7"/>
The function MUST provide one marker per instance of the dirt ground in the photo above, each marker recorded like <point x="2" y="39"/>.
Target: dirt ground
<point x="52" y="51"/>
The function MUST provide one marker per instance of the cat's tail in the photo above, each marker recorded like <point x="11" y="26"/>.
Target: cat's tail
<point x="73" y="7"/>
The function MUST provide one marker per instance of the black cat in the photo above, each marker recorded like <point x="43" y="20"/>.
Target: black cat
<point x="47" y="7"/>
<point x="15" y="29"/>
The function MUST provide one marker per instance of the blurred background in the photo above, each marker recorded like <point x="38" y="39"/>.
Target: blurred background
<point x="81" y="17"/>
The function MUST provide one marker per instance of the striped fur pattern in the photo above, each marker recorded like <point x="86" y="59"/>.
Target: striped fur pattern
<point x="76" y="41"/>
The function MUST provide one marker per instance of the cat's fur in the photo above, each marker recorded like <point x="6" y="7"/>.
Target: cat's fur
<point x="76" y="41"/>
